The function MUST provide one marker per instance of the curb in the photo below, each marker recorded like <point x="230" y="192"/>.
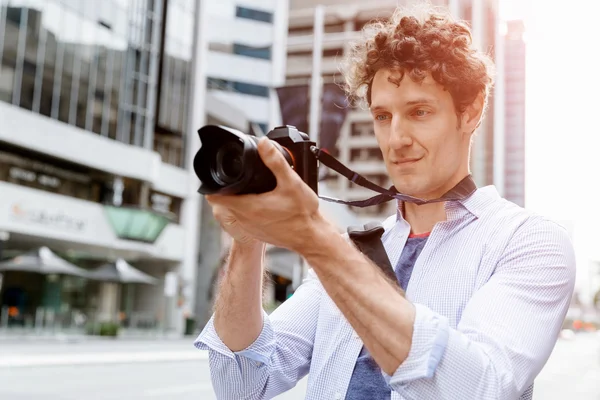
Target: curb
<point x="17" y="361"/>
<point x="89" y="338"/>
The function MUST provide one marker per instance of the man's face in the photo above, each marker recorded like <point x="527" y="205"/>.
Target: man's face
<point x="424" y="144"/>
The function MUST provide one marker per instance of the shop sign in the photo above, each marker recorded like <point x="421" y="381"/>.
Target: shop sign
<point x="51" y="218"/>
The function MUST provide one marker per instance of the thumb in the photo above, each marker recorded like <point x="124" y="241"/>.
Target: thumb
<point x="273" y="159"/>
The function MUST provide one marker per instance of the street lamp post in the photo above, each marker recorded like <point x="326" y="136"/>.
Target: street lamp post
<point x="4" y="236"/>
<point x="316" y="89"/>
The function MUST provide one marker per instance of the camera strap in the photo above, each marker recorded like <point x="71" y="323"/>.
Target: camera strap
<point x="367" y="239"/>
<point x="462" y="190"/>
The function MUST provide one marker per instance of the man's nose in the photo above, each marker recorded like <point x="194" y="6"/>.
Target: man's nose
<point x="400" y="134"/>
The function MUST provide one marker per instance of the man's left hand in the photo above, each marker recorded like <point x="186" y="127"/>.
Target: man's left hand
<point x="287" y="216"/>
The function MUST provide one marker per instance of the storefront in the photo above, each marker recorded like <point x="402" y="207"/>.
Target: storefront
<point x="88" y="234"/>
<point x="39" y="171"/>
<point x="70" y="224"/>
<point x="36" y="171"/>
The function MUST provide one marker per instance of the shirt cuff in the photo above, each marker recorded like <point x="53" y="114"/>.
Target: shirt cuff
<point x="429" y="341"/>
<point x="259" y="351"/>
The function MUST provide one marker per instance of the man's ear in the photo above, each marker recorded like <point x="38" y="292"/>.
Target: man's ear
<point x="471" y="118"/>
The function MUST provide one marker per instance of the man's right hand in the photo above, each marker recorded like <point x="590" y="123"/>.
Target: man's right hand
<point x="230" y="225"/>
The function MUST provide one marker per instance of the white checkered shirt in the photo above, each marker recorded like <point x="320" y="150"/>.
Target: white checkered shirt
<point x="491" y="289"/>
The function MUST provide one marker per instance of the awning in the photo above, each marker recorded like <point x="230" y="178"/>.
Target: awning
<point x="42" y="261"/>
<point x="136" y="223"/>
<point x="121" y="271"/>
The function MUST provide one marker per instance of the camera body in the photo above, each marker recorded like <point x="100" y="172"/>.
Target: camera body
<point x="228" y="162"/>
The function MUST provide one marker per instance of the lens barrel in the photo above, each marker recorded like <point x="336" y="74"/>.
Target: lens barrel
<point x="228" y="163"/>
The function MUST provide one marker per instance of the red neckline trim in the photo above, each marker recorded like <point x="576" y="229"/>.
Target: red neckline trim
<point x="420" y="235"/>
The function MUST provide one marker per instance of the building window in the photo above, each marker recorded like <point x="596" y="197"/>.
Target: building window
<point x="254" y="52"/>
<point x="336" y="52"/>
<point x="175" y="73"/>
<point x="250" y="88"/>
<point x="175" y="81"/>
<point x="362" y="129"/>
<point x="40" y="172"/>
<point x="365" y="154"/>
<point x="263" y="53"/>
<point x="238" y="87"/>
<point x="170" y="148"/>
<point x="256" y="15"/>
<point x="86" y="64"/>
<point x="136" y="121"/>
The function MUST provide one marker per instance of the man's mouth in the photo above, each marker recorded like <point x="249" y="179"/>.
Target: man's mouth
<point x="405" y="161"/>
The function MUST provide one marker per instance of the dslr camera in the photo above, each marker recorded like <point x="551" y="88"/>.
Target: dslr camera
<point x="228" y="162"/>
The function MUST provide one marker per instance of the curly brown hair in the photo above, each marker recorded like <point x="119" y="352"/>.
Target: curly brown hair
<point x="419" y="41"/>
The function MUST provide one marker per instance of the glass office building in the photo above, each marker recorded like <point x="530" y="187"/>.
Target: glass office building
<point x="98" y="128"/>
<point x="101" y="66"/>
<point x="92" y="163"/>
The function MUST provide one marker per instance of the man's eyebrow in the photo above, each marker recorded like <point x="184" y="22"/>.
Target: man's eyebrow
<point x="422" y="100"/>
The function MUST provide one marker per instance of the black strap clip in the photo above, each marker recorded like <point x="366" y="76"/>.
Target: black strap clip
<point x="367" y="239"/>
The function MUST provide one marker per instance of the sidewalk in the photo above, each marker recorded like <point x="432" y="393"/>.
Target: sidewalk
<point x="76" y="337"/>
<point x="94" y="358"/>
<point x="48" y="351"/>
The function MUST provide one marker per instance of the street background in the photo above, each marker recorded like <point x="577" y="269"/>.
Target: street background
<point x="174" y="369"/>
<point x="109" y="257"/>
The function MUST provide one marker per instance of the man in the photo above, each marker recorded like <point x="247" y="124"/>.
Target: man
<point x="487" y="284"/>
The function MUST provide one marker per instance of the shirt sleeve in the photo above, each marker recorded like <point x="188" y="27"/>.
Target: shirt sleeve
<point x="277" y="359"/>
<point x="508" y="328"/>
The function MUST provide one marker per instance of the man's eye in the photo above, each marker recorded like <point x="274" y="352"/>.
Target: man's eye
<point x="381" y="117"/>
<point x="421" y="113"/>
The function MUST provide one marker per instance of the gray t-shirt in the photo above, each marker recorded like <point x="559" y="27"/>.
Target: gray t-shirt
<point x="366" y="381"/>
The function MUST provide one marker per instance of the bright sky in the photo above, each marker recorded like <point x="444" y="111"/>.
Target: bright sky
<point x="562" y="112"/>
<point x="562" y="106"/>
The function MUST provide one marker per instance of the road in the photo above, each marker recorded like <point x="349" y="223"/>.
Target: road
<point x="573" y="371"/>
<point x="173" y="370"/>
<point x="108" y="370"/>
<point x="159" y="381"/>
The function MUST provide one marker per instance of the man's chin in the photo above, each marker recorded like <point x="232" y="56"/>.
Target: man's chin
<point x="407" y="189"/>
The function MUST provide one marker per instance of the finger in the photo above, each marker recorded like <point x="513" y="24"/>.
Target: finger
<point x="224" y="216"/>
<point x="274" y="160"/>
<point x="233" y="202"/>
<point x="218" y="200"/>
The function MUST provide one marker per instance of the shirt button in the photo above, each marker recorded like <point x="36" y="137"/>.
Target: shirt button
<point x="258" y="363"/>
<point x="338" y="396"/>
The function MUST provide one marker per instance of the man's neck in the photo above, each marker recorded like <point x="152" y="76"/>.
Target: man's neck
<point x="422" y="218"/>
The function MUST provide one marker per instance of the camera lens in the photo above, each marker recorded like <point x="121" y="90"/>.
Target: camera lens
<point x="228" y="162"/>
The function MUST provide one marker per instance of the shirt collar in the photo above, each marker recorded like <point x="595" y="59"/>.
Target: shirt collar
<point x="479" y="201"/>
<point x="475" y="204"/>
